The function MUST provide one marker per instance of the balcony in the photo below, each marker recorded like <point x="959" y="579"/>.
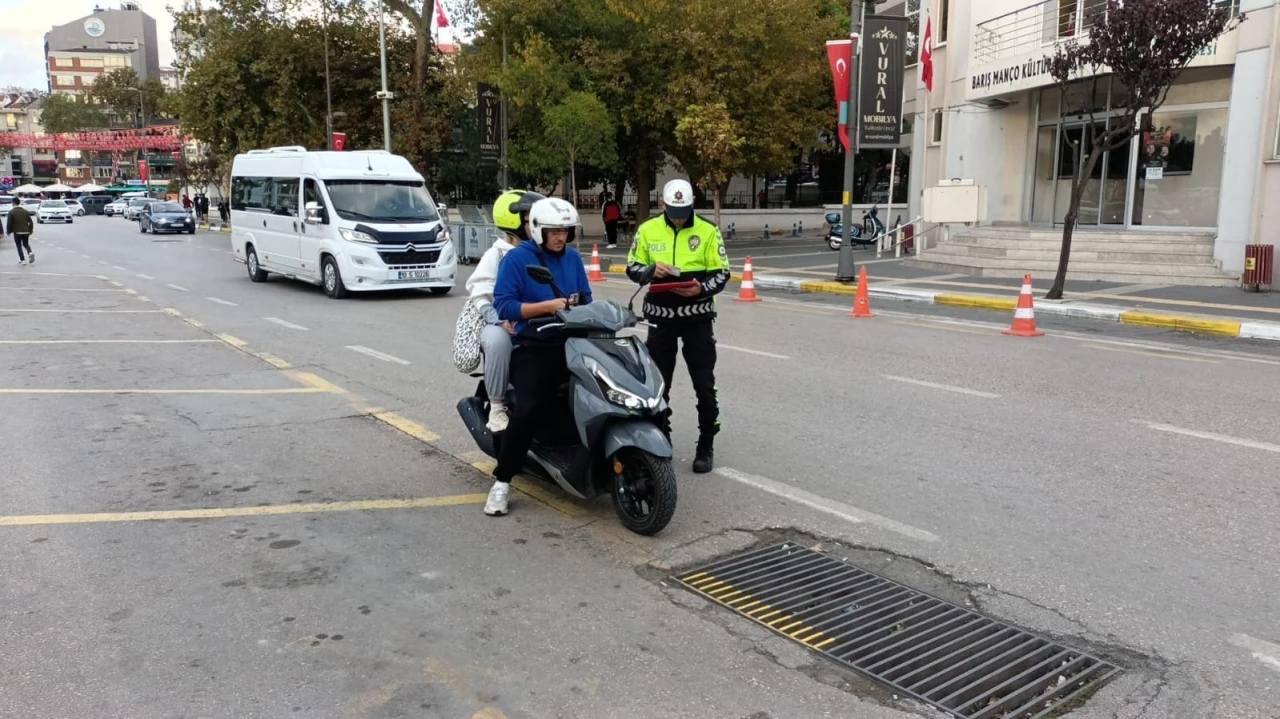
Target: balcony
<point x="1035" y="27"/>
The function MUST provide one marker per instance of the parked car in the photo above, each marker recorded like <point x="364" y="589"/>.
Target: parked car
<point x="135" y="207"/>
<point x="54" y="211"/>
<point x="158" y="217"/>
<point x="115" y="208"/>
<point x="94" y="204"/>
<point x="77" y="209"/>
<point x="31" y="205"/>
<point x="7" y="203"/>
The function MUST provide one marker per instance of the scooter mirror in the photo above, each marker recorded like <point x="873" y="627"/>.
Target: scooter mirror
<point x="646" y="275"/>
<point x="539" y="274"/>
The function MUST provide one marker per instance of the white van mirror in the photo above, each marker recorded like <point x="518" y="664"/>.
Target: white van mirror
<point x="315" y="213"/>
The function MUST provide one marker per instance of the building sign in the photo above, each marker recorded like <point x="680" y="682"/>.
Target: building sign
<point x="840" y="54"/>
<point x="880" y="82"/>
<point x="94" y="27"/>
<point x="1030" y="71"/>
<point x="488" y="105"/>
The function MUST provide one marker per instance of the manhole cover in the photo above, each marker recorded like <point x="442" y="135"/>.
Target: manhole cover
<point x="952" y="658"/>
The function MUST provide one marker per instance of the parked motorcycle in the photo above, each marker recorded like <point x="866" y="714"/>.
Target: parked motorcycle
<point x="603" y="436"/>
<point x="872" y="227"/>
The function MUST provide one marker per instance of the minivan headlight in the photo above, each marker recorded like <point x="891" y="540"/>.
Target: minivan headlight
<point x="357" y="236"/>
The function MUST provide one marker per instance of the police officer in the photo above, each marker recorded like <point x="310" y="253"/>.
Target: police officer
<point x="683" y="247"/>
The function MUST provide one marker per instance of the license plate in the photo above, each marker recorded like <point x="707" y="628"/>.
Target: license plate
<point x="415" y="274"/>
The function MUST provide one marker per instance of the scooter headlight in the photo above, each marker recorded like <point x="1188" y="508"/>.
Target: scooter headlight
<point x="611" y="390"/>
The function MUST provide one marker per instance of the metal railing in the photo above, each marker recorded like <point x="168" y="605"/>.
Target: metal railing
<point x="1043" y="24"/>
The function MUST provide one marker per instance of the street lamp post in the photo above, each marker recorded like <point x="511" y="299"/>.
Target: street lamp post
<point x="384" y="95"/>
<point x="328" y="94"/>
<point x="845" y="270"/>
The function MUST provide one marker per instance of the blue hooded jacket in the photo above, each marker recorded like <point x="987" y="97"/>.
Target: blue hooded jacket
<point x="514" y="287"/>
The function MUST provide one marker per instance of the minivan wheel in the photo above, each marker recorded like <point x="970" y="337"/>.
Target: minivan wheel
<point x="333" y="280"/>
<point x="256" y="273"/>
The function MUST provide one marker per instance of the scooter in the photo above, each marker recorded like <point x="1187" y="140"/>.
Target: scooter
<point x="865" y="234"/>
<point x="603" y="436"/>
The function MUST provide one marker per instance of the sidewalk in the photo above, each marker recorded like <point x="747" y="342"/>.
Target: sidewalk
<point x="805" y="264"/>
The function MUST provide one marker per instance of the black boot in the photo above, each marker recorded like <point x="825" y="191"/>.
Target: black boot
<point x="705" y="457"/>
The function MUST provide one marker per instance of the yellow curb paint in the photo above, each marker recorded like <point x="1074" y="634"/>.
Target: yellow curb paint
<point x="220" y="513"/>
<point x="89" y="312"/>
<point x="316" y="382"/>
<point x="828" y="288"/>
<point x="172" y="311"/>
<point x="106" y="342"/>
<point x="977" y="302"/>
<point x="233" y="341"/>
<point x="286" y="390"/>
<point x="194" y="323"/>
<point x="1181" y="322"/>
<point x="60" y="289"/>
<point x="408" y="426"/>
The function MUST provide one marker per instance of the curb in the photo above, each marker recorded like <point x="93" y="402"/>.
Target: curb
<point x="1107" y="313"/>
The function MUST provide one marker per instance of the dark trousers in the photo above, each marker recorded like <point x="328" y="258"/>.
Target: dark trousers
<point x="537" y="371"/>
<point x="23" y="242"/>
<point x="611" y="231"/>
<point x="699" y="339"/>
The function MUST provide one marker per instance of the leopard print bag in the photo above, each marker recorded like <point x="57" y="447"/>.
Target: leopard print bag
<point x="466" y="338"/>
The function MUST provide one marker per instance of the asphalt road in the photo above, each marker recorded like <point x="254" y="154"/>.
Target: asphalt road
<point x="1112" y="486"/>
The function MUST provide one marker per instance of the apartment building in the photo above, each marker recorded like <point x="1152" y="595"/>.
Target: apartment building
<point x="79" y="51"/>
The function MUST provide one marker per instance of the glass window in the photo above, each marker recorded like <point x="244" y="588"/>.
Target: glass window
<point x="945" y="16"/>
<point x="249" y="193"/>
<point x="1180" y="169"/>
<point x="382" y="201"/>
<point x="285" y="197"/>
<point x="311" y="193"/>
<point x="935" y="136"/>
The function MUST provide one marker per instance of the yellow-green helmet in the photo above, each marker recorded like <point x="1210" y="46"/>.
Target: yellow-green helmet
<point x="509" y="208"/>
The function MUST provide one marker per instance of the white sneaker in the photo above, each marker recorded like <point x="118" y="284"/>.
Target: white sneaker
<point x="31" y="258"/>
<point x="496" y="506"/>
<point x="498" y="419"/>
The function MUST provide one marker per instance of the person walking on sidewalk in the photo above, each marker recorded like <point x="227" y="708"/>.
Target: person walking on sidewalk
<point x="21" y="227"/>
<point x="682" y="246"/>
<point x="611" y="213"/>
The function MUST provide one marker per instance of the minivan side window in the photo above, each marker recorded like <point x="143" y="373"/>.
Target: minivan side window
<point x="285" y="197"/>
<point x="311" y="193"/>
<point x="250" y="193"/>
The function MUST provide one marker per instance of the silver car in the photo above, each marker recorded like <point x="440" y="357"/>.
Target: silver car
<point x="136" y="206"/>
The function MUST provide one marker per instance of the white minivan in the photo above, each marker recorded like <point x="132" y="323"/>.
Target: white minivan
<point x="347" y="221"/>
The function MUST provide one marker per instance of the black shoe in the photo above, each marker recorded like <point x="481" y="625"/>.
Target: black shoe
<point x="704" y="459"/>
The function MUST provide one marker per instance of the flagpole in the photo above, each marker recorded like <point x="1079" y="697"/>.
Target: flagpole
<point x="918" y="242"/>
<point x="845" y="270"/>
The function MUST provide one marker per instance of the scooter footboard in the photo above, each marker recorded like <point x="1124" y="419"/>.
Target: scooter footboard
<point x="638" y="434"/>
<point x="471" y="409"/>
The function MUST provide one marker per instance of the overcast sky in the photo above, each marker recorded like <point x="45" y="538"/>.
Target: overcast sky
<point x="23" y="24"/>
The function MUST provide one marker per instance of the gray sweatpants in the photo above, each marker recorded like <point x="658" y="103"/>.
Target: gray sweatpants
<point x="496" y="345"/>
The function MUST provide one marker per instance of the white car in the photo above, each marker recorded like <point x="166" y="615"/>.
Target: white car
<point x="135" y="207"/>
<point x="77" y="209"/>
<point x="54" y="211"/>
<point x="116" y="207"/>
<point x="31" y="205"/>
<point x="6" y="203"/>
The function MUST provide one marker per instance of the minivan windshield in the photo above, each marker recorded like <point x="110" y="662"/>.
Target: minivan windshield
<point x="382" y="201"/>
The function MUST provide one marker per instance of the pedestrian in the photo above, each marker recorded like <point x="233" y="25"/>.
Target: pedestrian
<point x="683" y="247"/>
<point x="762" y="199"/>
<point x="186" y="202"/>
<point x="611" y="213"/>
<point x="202" y="207"/>
<point x="224" y="211"/>
<point x="21" y="227"/>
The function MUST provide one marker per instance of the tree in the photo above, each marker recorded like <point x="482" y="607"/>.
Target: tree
<point x="712" y="143"/>
<point x="1144" y="47"/>
<point x="581" y="129"/>
<point x="62" y="113"/>
<point x="124" y="92"/>
<point x="421" y="20"/>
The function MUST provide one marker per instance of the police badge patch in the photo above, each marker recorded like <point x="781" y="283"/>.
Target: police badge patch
<point x="694" y="242"/>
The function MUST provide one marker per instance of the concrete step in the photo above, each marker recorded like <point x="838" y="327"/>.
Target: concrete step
<point x="1200" y="247"/>
<point x="1044" y="275"/>
<point x="1014" y="233"/>
<point x="943" y="254"/>
<point x="1143" y="256"/>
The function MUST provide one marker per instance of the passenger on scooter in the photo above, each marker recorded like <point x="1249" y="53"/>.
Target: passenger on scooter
<point x="538" y="363"/>
<point x="510" y="214"/>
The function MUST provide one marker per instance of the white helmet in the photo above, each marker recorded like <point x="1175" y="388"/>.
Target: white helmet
<point x="552" y="213"/>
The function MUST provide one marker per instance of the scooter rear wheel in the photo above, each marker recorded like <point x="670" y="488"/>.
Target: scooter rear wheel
<point x="644" y="493"/>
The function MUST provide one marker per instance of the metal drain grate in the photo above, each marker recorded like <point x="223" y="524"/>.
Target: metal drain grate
<point x="957" y="660"/>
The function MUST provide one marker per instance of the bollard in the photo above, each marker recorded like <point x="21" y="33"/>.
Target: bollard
<point x="802" y="227"/>
<point x="793" y="230"/>
<point x="733" y="229"/>
<point x="766" y="229"/>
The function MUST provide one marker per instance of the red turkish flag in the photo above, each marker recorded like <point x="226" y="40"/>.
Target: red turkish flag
<point x="926" y="56"/>
<point x="840" y="56"/>
<point x="339" y="141"/>
<point x="142" y="171"/>
<point x="441" y="20"/>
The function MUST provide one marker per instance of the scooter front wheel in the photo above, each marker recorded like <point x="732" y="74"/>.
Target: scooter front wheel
<point x="644" y="491"/>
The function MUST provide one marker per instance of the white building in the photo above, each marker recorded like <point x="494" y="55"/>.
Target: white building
<point x="996" y="117"/>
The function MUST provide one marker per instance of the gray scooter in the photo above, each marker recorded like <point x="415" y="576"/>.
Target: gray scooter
<point x="603" y="436"/>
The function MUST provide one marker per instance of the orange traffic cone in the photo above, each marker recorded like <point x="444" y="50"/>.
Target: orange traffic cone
<point x="593" y="272"/>
<point x="747" y="292"/>
<point x="861" y="300"/>
<point x="1024" y="317"/>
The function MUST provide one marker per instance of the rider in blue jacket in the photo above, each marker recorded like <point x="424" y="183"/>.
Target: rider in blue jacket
<point x="537" y="369"/>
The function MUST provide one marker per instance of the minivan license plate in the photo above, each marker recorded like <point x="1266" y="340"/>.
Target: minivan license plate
<point x="415" y="274"/>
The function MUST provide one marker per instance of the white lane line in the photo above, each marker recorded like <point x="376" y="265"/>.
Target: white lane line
<point x="145" y="277"/>
<point x="946" y="387"/>
<point x="377" y="355"/>
<point x="822" y="504"/>
<point x="752" y="352"/>
<point x="1225" y="439"/>
<point x="118" y="267"/>
<point x="222" y="302"/>
<point x="177" y="287"/>
<point x="1265" y="652"/>
<point x="284" y="323"/>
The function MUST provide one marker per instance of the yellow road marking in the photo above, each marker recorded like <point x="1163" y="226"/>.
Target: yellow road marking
<point x="404" y="424"/>
<point x="233" y="341"/>
<point x="273" y="360"/>
<point x="105" y="342"/>
<point x="171" y="311"/>
<point x="942" y="326"/>
<point x="489" y="713"/>
<point x="1163" y="355"/>
<point x="61" y="289"/>
<point x="530" y="488"/>
<point x="100" y="312"/>
<point x="223" y="512"/>
<point x="284" y="390"/>
<point x="193" y="322"/>
<point x="51" y="274"/>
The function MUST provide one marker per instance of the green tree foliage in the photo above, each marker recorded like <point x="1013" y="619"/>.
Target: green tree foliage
<point x="580" y="128"/>
<point x="254" y="77"/>
<point x="711" y="138"/>
<point x="62" y="113"/>
<point x="129" y="96"/>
